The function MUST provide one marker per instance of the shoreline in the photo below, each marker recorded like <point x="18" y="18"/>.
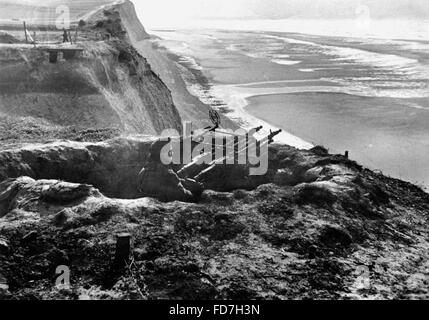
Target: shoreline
<point x="323" y="119"/>
<point x="224" y="99"/>
<point x="237" y="104"/>
<point x="383" y="121"/>
<point x="180" y="77"/>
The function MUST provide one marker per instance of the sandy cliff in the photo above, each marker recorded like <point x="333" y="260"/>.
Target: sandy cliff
<point x="172" y="73"/>
<point x="110" y="86"/>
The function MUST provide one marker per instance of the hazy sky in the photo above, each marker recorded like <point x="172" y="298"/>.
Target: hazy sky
<point x="185" y="9"/>
<point x="176" y="12"/>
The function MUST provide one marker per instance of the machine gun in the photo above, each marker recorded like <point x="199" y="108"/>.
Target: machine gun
<point x="272" y="135"/>
<point x="267" y="140"/>
<point x="195" y="169"/>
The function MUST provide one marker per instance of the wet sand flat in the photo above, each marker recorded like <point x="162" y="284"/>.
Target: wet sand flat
<point x="380" y="132"/>
<point x="368" y="96"/>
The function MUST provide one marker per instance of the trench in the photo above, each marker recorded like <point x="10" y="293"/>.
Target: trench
<point x="112" y="167"/>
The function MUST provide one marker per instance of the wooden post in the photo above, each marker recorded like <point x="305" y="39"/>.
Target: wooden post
<point x="123" y="249"/>
<point x="25" y="32"/>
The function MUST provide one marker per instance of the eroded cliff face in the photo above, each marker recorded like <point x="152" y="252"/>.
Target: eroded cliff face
<point x="122" y="16"/>
<point x="110" y="86"/>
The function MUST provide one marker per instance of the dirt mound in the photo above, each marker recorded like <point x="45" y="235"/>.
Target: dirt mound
<point x="112" y="166"/>
<point x="8" y="38"/>
<point x="261" y="244"/>
<point x="310" y="236"/>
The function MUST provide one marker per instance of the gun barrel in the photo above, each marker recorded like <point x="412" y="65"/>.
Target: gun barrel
<point x="275" y="133"/>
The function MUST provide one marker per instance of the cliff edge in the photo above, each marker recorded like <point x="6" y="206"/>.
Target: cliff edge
<point x="109" y="86"/>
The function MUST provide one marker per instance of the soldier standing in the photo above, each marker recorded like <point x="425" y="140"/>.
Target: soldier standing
<point x="65" y="36"/>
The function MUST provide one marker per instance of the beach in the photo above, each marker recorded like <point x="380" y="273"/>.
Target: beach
<point x="368" y="96"/>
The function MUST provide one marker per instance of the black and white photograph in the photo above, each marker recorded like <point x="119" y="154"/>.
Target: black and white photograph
<point x="226" y="151"/>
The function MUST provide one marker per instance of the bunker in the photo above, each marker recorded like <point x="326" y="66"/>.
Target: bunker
<point x="68" y="53"/>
